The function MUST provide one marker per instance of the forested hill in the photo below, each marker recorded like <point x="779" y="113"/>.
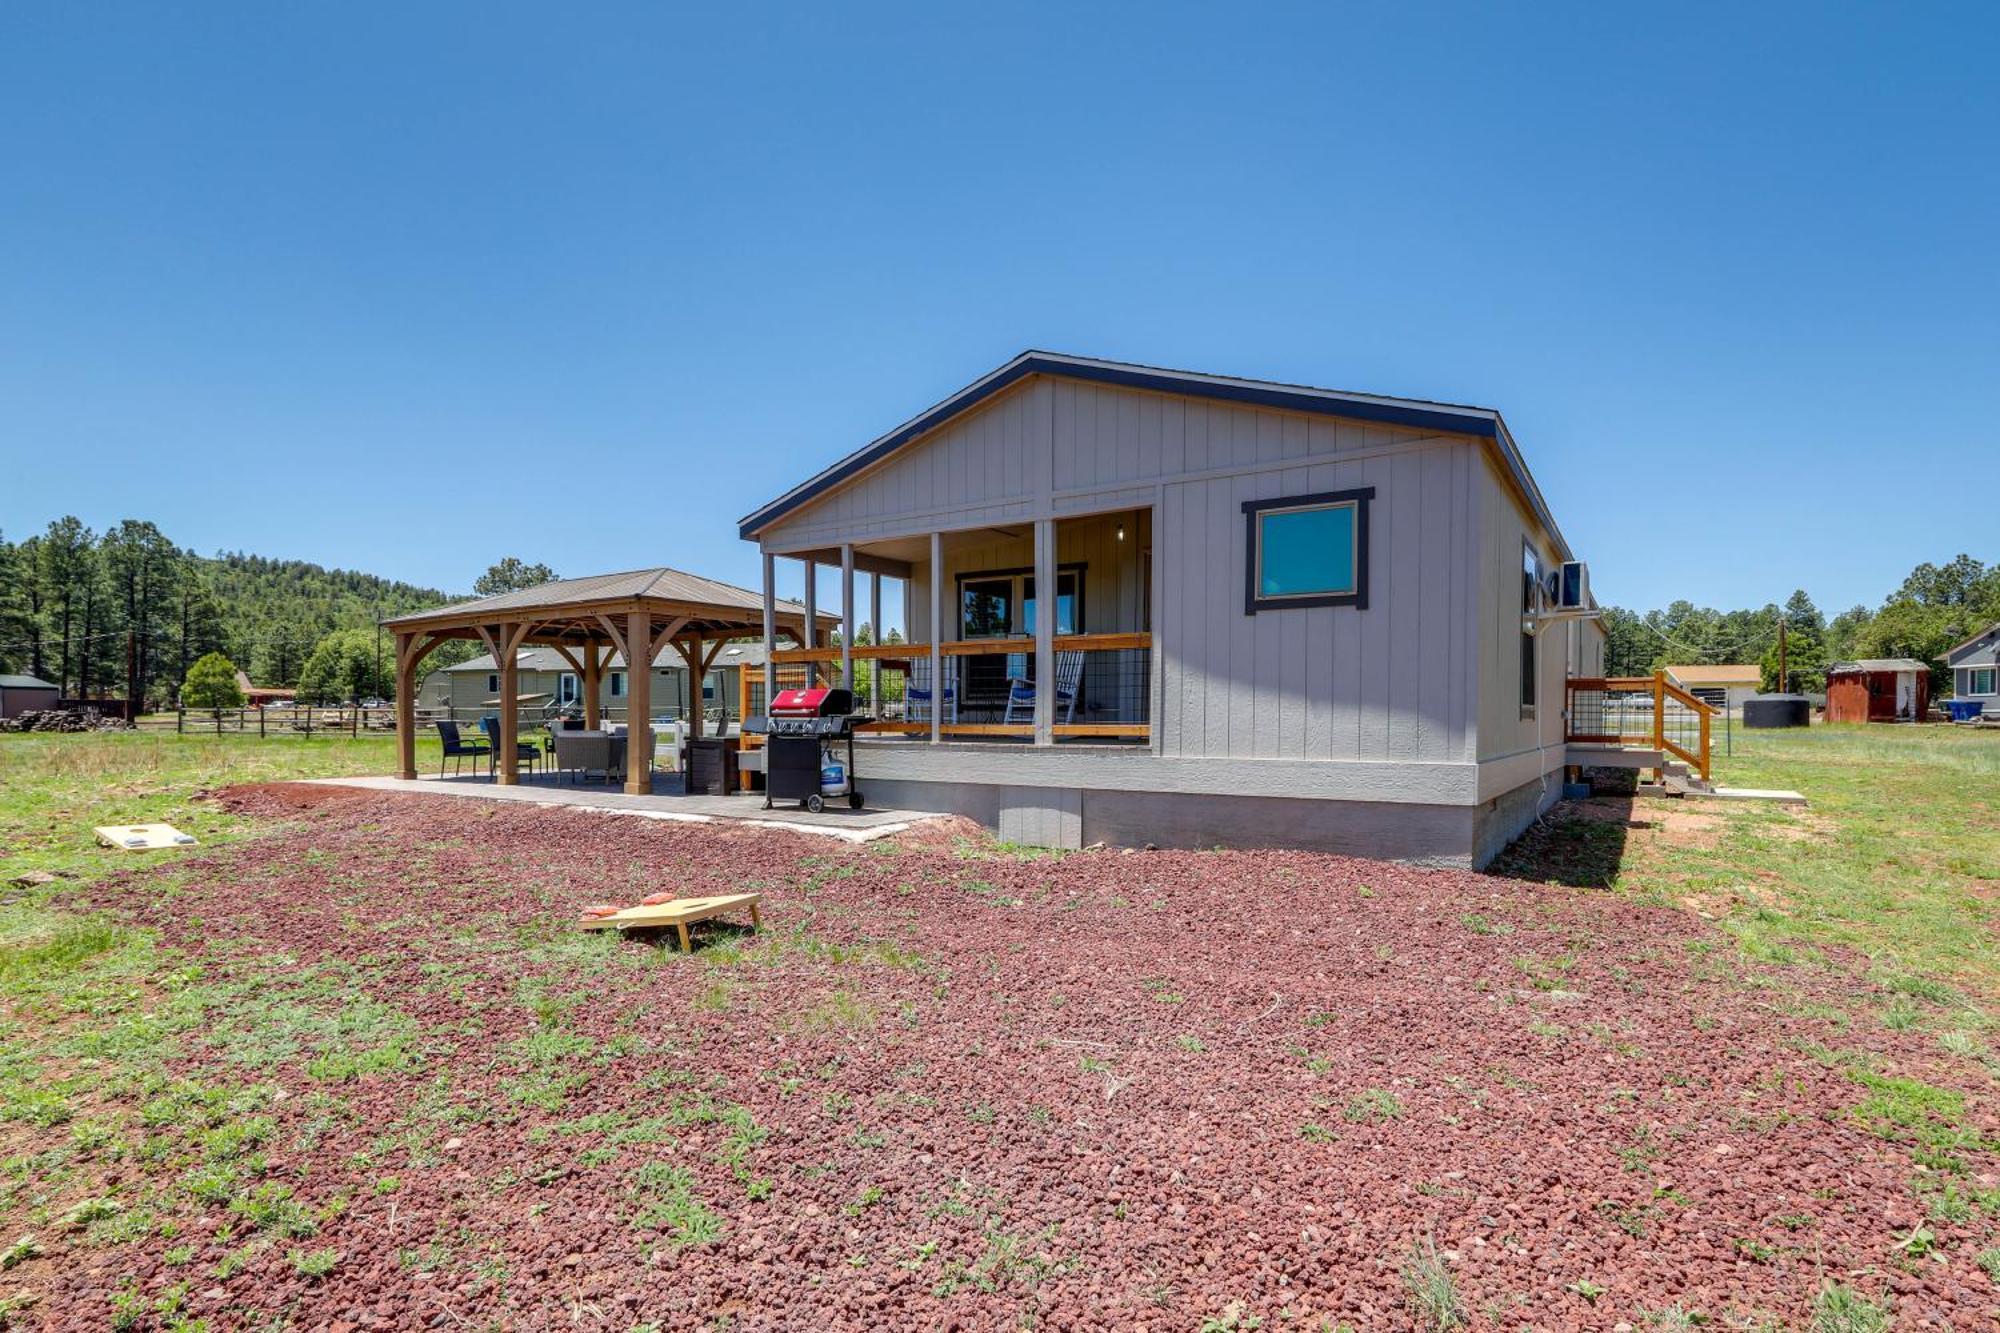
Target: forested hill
<point x="274" y="611"/>
<point x="72" y="598"/>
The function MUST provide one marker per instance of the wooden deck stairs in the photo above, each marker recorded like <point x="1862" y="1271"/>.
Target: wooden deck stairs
<point x="1643" y="722"/>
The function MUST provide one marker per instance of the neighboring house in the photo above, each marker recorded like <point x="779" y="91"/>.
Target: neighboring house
<point x="1878" y="689"/>
<point x="26" y="694"/>
<point x="1975" y="670"/>
<point x="1724" y="687"/>
<point x="471" y="688"/>
<point x="1284" y="616"/>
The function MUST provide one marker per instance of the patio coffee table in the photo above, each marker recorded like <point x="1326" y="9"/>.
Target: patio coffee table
<point x="680" y="914"/>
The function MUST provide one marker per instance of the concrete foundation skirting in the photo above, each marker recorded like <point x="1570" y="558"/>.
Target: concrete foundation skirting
<point x="1069" y="817"/>
<point x="1452" y="835"/>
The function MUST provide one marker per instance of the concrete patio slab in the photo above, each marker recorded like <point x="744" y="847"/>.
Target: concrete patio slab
<point x="666" y="803"/>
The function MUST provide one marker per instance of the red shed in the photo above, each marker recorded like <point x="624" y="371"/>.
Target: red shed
<point x="1878" y="689"/>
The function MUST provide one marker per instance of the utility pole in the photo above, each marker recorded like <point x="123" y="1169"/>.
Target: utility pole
<point x="1784" y="676"/>
<point x="131" y="675"/>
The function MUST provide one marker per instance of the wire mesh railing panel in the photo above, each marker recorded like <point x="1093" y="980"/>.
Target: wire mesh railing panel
<point x="1611" y="716"/>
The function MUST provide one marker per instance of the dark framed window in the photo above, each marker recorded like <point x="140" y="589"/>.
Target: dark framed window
<point x="617" y="684"/>
<point x="985" y="608"/>
<point x="1069" y="598"/>
<point x="1306" y="550"/>
<point x="1531" y="587"/>
<point x="1000" y="604"/>
<point x="493" y="684"/>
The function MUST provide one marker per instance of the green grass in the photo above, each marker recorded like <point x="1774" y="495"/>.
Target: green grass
<point x="1897" y="857"/>
<point x="96" y="1019"/>
<point x="55" y="788"/>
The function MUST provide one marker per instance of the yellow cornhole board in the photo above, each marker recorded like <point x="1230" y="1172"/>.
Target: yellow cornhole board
<point x="142" y="837"/>
<point x="680" y="914"/>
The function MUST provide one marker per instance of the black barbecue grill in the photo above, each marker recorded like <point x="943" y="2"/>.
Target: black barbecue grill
<point x="802" y="733"/>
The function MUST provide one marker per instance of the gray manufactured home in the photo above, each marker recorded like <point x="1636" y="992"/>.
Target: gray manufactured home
<point x="1284" y="616"/>
<point x="1975" y="670"/>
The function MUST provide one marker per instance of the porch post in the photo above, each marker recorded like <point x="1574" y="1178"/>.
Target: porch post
<point x="847" y="617"/>
<point x="406" y="707"/>
<point x="937" y="637"/>
<point x="1045" y="631"/>
<point x="506" y="760"/>
<point x="770" y="628"/>
<point x="639" y="703"/>
<point x="812" y="604"/>
<point x="875" y="634"/>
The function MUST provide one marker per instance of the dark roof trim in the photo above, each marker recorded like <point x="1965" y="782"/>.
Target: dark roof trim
<point x="1413" y="412"/>
<point x="1980" y="637"/>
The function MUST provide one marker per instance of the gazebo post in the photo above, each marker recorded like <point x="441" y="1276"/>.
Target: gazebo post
<point x="690" y="651"/>
<point x="639" y="704"/>
<point x="406" y="707"/>
<point x="507" y="770"/>
<point x="593" y="673"/>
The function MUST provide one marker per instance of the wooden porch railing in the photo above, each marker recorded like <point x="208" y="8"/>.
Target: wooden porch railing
<point x="1643" y="712"/>
<point x="823" y="663"/>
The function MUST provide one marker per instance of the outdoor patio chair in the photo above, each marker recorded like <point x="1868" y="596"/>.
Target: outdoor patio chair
<point x="457" y="749"/>
<point x="917" y="701"/>
<point x="1069" y="674"/>
<point x="526" y="750"/>
<point x="583" y="755"/>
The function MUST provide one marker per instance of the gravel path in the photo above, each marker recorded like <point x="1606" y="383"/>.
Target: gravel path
<point x="951" y="1089"/>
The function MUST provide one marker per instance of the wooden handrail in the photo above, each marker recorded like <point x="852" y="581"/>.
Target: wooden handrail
<point x="1661" y="689"/>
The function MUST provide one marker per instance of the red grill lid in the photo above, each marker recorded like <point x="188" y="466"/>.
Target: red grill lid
<point x="801" y="703"/>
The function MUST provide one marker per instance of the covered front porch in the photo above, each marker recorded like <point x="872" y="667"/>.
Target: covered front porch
<point x="976" y="646"/>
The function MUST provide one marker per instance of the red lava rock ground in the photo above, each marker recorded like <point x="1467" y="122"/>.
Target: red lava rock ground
<point x="1132" y="1091"/>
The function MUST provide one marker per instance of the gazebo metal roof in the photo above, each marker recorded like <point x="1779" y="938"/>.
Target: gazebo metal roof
<point x="709" y="604"/>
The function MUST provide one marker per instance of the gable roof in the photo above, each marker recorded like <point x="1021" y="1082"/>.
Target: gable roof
<point x="1978" y="638"/>
<point x="1876" y="664"/>
<point x="1455" y="418"/>
<point x="25" y="683"/>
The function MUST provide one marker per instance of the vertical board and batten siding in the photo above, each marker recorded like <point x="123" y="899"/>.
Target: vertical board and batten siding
<point x="989" y="466"/>
<point x="1387" y="683"/>
<point x="1504" y="729"/>
<point x="1399" y="681"/>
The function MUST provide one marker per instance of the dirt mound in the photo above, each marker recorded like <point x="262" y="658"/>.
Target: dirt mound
<point x="279" y="798"/>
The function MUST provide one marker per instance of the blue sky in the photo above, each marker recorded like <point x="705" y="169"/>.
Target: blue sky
<point x="403" y="288"/>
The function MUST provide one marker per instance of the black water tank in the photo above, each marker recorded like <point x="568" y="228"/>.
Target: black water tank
<point x="1777" y="710"/>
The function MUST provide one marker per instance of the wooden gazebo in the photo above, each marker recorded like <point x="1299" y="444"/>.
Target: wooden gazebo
<point x="637" y="613"/>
